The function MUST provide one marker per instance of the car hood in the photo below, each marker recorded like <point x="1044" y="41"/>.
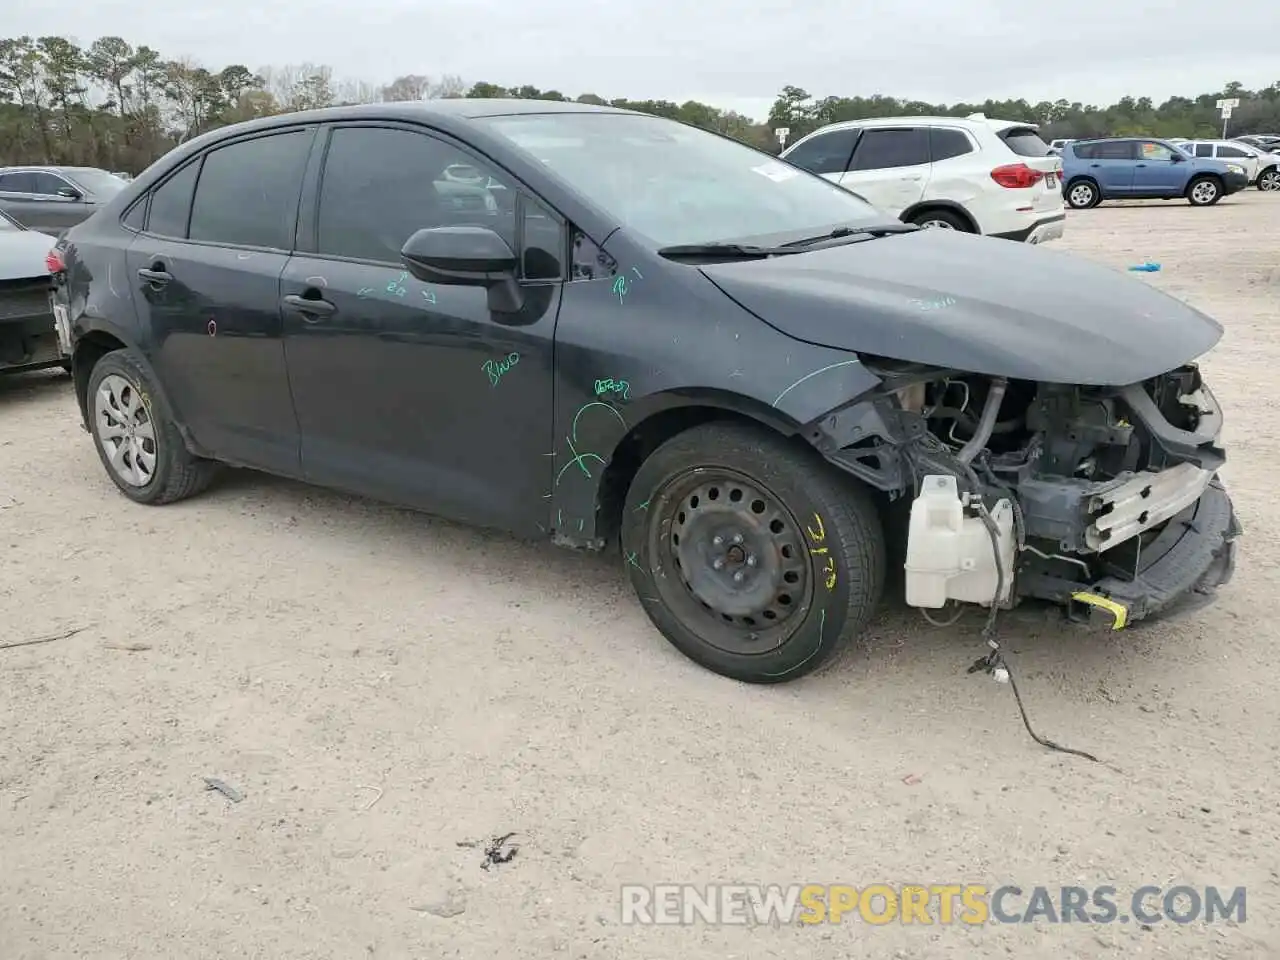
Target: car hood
<point x="22" y="254"/>
<point x="979" y="304"/>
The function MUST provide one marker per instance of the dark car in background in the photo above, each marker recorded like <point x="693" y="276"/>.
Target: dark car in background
<point x="52" y="199"/>
<point x="1138" y="168"/>
<point x="29" y="338"/>
<point x="612" y="330"/>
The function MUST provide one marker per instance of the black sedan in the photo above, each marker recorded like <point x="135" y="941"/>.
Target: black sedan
<point x="616" y="331"/>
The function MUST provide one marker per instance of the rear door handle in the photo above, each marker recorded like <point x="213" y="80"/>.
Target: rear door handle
<point x="1140" y="165"/>
<point x="155" y="276"/>
<point x="1095" y="164"/>
<point x="309" y="307"/>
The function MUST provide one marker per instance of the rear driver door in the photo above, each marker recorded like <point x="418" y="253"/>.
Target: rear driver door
<point x="890" y="167"/>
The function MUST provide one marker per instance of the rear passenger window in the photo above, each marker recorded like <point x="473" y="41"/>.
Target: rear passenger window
<point x="17" y="183"/>
<point x="171" y="203"/>
<point x="1204" y="150"/>
<point x="945" y="144"/>
<point x="248" y="192"/>
<point x="901" y="147"/>
<point x="1114" y="150"/>
<point x="825" y="153"/>
<point x="381" y="185"/>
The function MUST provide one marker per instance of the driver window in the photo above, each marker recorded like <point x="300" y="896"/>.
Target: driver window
<point x="1155" y="151"/>
<point x="381" y="184"/>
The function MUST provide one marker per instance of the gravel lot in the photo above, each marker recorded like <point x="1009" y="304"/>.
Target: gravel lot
<point x="384" y="687"/>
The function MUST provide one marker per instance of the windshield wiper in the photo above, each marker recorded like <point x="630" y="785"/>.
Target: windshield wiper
<point x="873" y="230"/>
<point x="723" y="251"/>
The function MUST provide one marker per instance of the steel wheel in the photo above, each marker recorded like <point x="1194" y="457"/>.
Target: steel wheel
<point x="124" y="428"/>
<point x="739" y="565"/>
<point x="1204" y="192"/>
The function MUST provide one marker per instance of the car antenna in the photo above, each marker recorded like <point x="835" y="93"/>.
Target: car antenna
<point x="994" y="663"/>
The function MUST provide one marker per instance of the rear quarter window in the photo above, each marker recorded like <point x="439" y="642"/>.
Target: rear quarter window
<point x="1025" y="142"/>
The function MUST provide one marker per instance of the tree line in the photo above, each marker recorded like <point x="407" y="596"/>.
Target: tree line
<point x="113" y="105"/>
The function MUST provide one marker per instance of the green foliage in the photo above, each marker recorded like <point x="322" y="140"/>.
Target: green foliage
<point x="118" y="106"/>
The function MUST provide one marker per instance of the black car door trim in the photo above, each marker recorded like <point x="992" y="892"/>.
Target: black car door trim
<point x="307" y="236"/>
<point x="311" y="128"/>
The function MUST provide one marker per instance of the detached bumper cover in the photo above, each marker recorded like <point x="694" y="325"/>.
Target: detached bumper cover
<point x="1180" y="570"/>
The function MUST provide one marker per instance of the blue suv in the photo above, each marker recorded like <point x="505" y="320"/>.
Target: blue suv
<point x="1125" y="168"/>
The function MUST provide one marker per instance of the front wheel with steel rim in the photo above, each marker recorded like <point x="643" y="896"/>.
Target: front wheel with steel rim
<point x="135" y="437"/>
<point x="1082" y="194"/>
<point x="1269" y="179"/>
<point x="1204" y="192"/>
<point x="755" y="558"/>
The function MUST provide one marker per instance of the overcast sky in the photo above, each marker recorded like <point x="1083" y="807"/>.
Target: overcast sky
<point x="732" y="54"/>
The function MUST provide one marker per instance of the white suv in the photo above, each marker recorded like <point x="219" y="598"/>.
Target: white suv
<point x="994" y="177"/>
<point x="1262" y="168"/>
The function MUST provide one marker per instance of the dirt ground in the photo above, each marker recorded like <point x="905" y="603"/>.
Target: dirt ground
<point x="383" y="687"/>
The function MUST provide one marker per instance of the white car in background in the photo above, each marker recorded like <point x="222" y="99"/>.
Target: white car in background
<point x="994" y="177"/>
<point x="1262" y="168"/>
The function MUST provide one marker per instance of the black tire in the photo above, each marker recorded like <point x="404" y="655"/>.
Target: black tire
<point x="1269" y="179"/>
<point x="799" y="518"/>
<point x="1199" y="193"/>
<point x="942" y="219"/>
<point x="177" y="474"/>
<point x="1082" y="194"/>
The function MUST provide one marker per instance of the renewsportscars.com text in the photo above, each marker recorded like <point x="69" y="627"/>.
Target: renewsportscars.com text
<point x="971" y="904"/>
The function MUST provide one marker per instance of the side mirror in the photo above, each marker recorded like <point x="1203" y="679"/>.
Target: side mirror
<point x="70" y="194"/>
<point x="466" y="257"/>
<point x="1177" y="158"/>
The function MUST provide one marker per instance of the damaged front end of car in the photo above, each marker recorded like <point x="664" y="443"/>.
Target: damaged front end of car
<point x="1102" y="499"/>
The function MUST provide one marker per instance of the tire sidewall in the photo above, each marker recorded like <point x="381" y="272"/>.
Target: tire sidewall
<point x="1094" y="194"/>
<point x="1191" y="190"/>
<point x="120" y="363"/>
<point x="944" y="216"/>
<point x="1271" y="174"/>
<point x="824" y="613"/>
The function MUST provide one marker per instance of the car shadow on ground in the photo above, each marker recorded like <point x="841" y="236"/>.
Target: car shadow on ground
<point x="1037" y="637"/>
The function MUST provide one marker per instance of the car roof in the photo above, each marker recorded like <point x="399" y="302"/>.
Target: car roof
<point x="453" y="108"/>
<point x="973" y="121"/>
<point x="453" y="115"/>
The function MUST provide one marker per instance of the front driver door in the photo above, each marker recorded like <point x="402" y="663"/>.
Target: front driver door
<point x="405" y="391"/>
<point x="890" y="167"/>
<point x="1157" y="172"/>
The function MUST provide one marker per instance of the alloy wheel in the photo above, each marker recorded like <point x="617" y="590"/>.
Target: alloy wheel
<point x="1204" y="191"/>
<point x="1270" y="180"/>
<point x="937" y="225"/>
<point x="125" y="430"/>
<point x="1081" y="195"/>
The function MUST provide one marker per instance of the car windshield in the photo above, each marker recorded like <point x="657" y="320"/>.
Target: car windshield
<point x="676" y="184"/>
<point x="97" y="182"/>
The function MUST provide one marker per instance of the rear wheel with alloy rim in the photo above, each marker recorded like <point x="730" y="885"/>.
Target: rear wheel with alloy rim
<point x="752" y="557"/>
<point x="940" y="220"/>
<point x="1082" y="195"/>
<point x="136" y="439"/>
<point x="1269" y="179"/>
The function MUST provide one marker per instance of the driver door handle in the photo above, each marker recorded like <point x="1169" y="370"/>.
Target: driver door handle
<point x="309" y="307"/>
<point x="155" y="276"/>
